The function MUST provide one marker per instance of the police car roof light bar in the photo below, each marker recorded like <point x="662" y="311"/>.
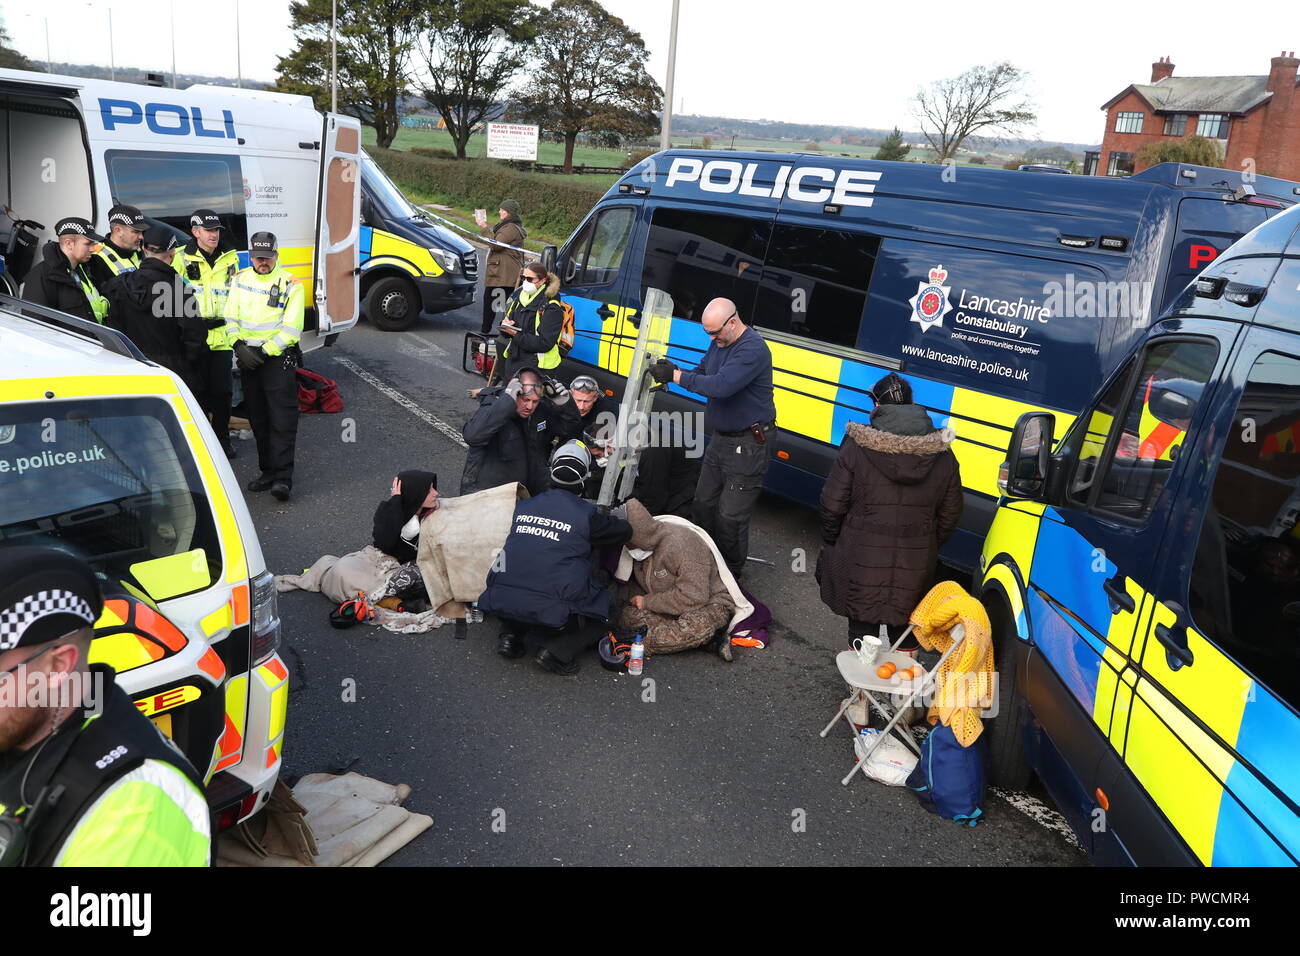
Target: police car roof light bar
<point x="111" y="339"/>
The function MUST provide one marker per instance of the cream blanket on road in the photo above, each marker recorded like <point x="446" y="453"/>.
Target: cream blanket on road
<point x="459" y="542"/>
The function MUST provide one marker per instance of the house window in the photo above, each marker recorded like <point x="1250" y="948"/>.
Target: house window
<point x="1176" y="124"/>
<point x="1213" y="125"/>
<point x="1121" y="164"/>
<point x="1128" y="123"/>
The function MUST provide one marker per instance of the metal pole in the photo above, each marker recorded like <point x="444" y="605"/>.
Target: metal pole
<point x="173" y="12"/>
<point x="334" y="56"/>
<point x="49" y="62"/>
<point x="239" y="72"/>
<point x="112" y="60"/>
<point x="666" y="135"/>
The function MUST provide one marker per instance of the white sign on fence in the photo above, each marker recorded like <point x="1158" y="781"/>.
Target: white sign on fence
<point x="511" y="141"/>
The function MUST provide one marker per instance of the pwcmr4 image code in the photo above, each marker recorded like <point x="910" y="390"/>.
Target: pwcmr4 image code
<point x="1151" y="899"/>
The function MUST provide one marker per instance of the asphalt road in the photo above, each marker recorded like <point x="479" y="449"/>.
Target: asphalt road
<point x="517" y="766"/>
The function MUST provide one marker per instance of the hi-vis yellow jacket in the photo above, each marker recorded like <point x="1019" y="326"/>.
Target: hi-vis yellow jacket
<point x="211" y="283"/>
<point x="265" y="310"/>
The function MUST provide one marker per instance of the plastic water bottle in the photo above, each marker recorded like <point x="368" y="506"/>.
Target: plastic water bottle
<point x="636" y="659"/>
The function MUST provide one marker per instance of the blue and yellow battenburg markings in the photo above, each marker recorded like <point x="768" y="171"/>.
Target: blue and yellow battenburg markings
<point x="1194" y="767"/>
<point x="377" y="247"/>
<point x="818" y="394"/>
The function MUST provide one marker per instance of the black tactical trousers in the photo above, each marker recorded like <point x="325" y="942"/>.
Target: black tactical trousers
<point x="730" y="481"/>
<point x="212" y="376"/>
<point x="271" y="400"/>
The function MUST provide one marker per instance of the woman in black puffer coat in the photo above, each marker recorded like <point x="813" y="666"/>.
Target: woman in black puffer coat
<point x="892" y="497"/>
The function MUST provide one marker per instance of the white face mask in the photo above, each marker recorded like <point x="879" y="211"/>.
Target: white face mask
<point x="529" y="286"/>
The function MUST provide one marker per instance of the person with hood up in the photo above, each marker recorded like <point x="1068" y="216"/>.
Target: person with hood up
<point x="892" y="497"/>
<point x="530" y="329"/>
<point x="503" y="265"/>
<point x="397" y="520"/>
<point x="679" y="600"/>
<point x="543" y="586"/>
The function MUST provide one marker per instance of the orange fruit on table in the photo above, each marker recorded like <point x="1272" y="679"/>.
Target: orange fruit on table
<point x="885" y="670"/>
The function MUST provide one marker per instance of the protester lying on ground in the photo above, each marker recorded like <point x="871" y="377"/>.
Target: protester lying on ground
<point x="678" y="599"/>
<point x="511" y="434"/>
<point x="892" y="497"/>
<point x="544" y="587"/>
<point x="397" y="520"/>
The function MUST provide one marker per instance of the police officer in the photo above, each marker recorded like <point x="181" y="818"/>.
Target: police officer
<point x="120" y="254"/>
<point x="156" y="309"/>
<point x="85" y="778"/>
<point x="60" y="279"/>
<point x="209" y="262"/>
<point x="264" y="312"/>
<point x="735" y="376"/>
<point x="543" y="588"/>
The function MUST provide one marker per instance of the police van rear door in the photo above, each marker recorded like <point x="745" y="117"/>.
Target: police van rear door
<point x="338" y="225"/>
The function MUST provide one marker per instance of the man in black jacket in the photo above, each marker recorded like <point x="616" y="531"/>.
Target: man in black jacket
<point x="156" y="309"/>
<point x="60" y="279"/>
<point x="543" y="586"/>
<point x="120" y="253"/>
<point x="511" y="434"/>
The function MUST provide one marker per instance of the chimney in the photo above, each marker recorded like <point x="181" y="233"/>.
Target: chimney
<point x="1281" y="75"/>
<point x="1161" y="69"/>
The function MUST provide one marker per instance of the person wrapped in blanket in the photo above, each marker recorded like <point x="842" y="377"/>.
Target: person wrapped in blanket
<point x="414" y="495"/>
<point x="676" y="596"/>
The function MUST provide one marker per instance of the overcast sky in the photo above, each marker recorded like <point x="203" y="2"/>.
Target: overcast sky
<point x="815" y="61"/>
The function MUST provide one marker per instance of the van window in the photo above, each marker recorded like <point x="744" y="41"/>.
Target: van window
<point x="111" y="480"/>
<point x="597" y="253"/>
<point x="1149" y="431"/>
<point x="697" y="256"/>
<point x="815" y="283"/>
<point x="1206" y="227"/>
<point x="170" y="186"/>
<point x="1245" y="586"/>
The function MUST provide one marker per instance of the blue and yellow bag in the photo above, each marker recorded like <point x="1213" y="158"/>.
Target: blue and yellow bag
<point x="949" y="778"/>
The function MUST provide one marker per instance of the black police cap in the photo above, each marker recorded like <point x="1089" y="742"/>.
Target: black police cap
<point x="45" y="594"/>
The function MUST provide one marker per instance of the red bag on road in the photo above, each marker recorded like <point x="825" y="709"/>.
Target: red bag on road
<point x="318" y="394"/>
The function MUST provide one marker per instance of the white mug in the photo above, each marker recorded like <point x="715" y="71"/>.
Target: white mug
<point x="868" y="649"/>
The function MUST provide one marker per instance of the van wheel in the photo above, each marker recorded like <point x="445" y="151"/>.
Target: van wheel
<point x="7" y="284"/>
<point x="393" y="304"/>
<point x="1008" y="767"/>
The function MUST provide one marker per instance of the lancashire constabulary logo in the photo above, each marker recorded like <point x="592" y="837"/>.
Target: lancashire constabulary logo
<point x="930" y="304"/>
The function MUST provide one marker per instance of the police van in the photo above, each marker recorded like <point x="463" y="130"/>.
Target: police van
<point x="72" y="146"/>
<point x="108" y="456"/>
<point x="1143" y="579"/>
<point x="991" y="291"/>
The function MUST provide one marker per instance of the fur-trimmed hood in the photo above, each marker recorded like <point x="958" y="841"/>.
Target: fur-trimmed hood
<point x="905" y="459"/>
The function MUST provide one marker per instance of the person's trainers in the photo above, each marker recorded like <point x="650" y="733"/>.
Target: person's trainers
<point x="280" y="490"/>
<point x="509" y="646"/>
<point x="724" y="647"/>
<point x="548" y="661"/>
<point x="260" y="483"/>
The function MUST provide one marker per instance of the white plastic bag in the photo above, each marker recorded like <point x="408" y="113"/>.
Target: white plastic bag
<point x="890" y="763"/>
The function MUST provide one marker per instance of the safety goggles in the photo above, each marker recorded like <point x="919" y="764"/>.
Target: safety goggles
<point x="530" y="389"/>
<point x="584" y="383"/>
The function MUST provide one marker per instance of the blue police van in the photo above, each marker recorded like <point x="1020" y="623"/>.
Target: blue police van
<point x="993" y="292"/>
<point x="1143" y="579"/>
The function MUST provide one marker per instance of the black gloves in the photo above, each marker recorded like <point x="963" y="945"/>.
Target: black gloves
<point x="249" y="359"/>
<point x="662" y="371"/>
<point x="555" y="390"/>
<point x="213" y="323"/>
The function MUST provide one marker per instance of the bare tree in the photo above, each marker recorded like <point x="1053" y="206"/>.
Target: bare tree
<point x="988" y="98"/>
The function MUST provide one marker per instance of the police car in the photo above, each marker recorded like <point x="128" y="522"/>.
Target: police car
<point x="109" y="456"/>
<point x="1143" y="579"/>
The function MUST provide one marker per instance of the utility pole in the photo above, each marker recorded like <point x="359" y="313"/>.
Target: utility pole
<point x="172" y="4"/>
<point x="112" y="59"/>
<point x="666" y="134"/>
<point x="334" y="56"/>
<point x="239" y="71"/>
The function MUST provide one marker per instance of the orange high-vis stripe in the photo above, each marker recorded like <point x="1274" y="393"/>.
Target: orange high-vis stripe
<point x="239" y="604"/>
<point x="212" y="665"/>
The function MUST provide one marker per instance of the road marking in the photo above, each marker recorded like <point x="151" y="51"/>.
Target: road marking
<point x="425" y="345"/>
<point x="1040" y="813"/>
<point x="409" y="404"/>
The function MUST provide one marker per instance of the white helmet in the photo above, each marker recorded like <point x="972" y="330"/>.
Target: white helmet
<point x="570" y="464"/>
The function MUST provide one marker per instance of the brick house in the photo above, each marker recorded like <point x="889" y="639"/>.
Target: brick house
<point x="1253" y="118"/>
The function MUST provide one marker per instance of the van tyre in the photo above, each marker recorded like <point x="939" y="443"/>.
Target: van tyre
<point x="393" y="304"/>
<point x="1007" y="764"/>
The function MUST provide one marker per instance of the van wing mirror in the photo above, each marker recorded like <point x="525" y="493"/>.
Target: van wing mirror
<point x="548" y="258"/>
<point x="367" y="210"/>
<point x="1024" y="473"/>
